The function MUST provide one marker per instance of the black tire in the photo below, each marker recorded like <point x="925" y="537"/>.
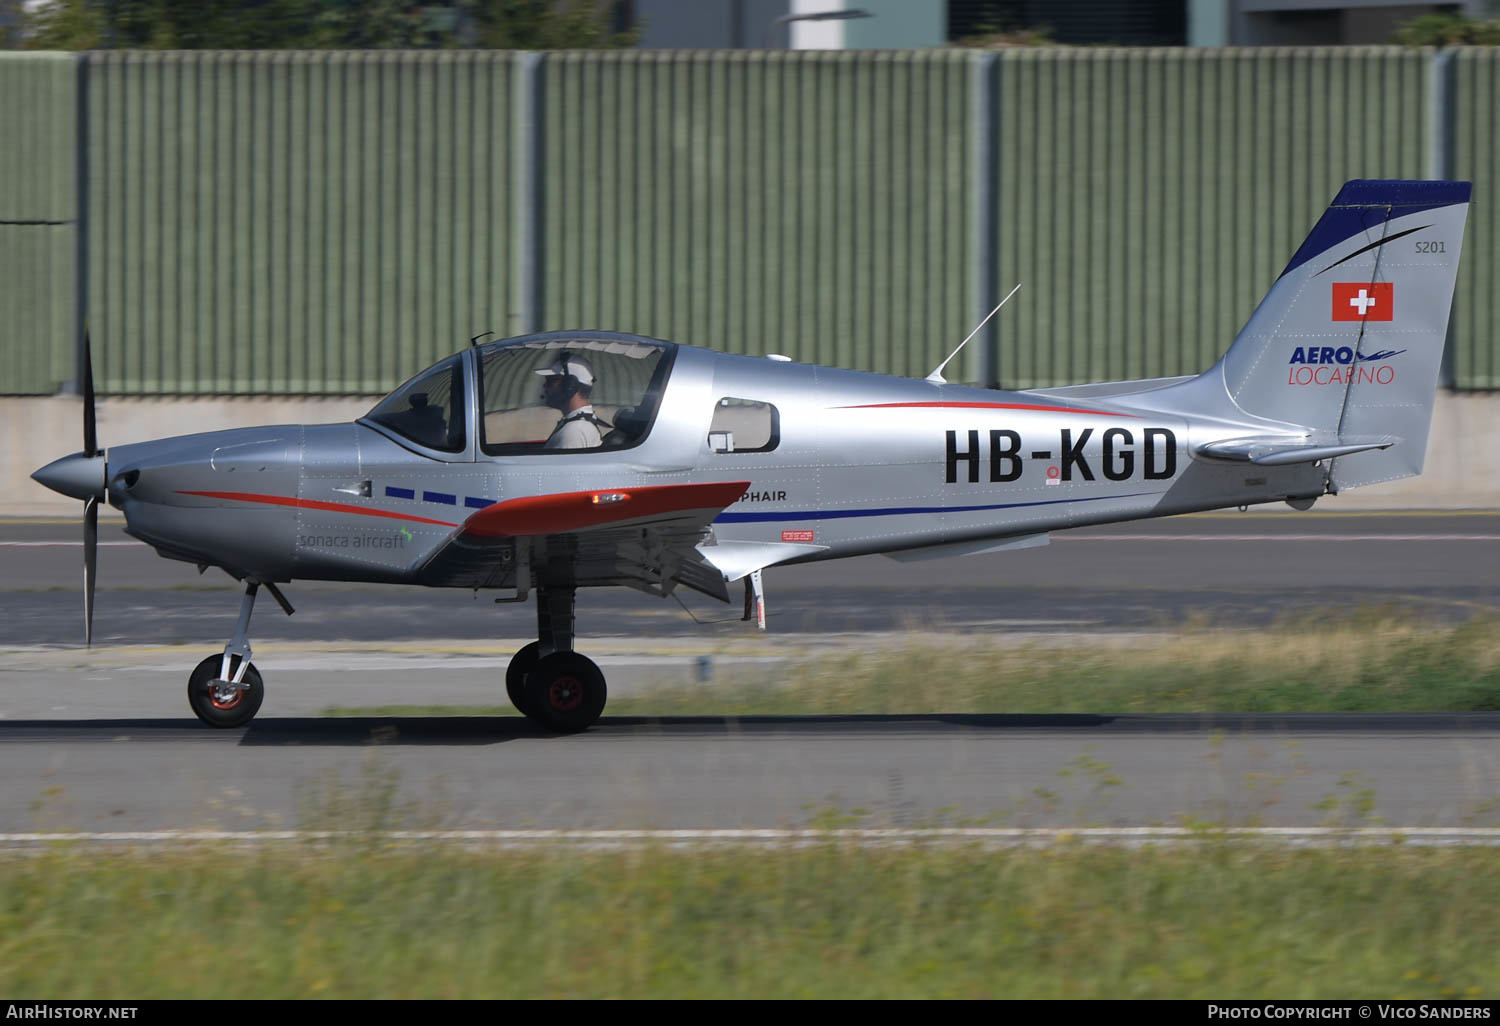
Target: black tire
<point x="515" y="674"/>
<point x="565" y="692"/>
<point x="215" y="711"/>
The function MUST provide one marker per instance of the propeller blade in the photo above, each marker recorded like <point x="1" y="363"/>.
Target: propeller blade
<point x="90" y="435"/>
<point x="90" y="548"/>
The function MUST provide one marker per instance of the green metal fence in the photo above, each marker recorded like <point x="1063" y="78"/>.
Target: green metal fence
<point x="38" y="213"/>
<point x="1149" y="198"/>
<point x="817" y="205"/>
<point x="295" y="222"/>
<point x="305" y="223"/>
<point x="1474" y="343"/>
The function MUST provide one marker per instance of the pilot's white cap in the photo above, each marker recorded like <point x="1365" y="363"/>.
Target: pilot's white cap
<point x="570" y="365"/>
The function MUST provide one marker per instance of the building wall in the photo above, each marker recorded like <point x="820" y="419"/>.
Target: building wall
<point x="1325" y="23"/>
<point x="897" y="24"/>
<point x="707" y="24"/>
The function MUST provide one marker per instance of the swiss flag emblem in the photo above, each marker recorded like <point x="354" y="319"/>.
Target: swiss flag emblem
<point x="1363" y="301"/>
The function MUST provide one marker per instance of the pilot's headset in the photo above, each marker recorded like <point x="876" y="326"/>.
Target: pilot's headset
<point x="576" y="373"/>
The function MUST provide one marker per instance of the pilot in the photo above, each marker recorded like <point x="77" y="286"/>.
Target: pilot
<point x="566" y="386"/>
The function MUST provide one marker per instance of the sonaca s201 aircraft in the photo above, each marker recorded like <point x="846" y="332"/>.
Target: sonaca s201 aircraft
<point x="578" y="459"/>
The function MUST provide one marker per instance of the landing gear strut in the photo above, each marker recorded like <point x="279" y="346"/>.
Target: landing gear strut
<point x="226" y="690"/>
<point x="549" y="682"/>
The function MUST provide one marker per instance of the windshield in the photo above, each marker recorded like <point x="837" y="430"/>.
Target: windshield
<point x="428" y="409"/>
<point x="559" y="393"/>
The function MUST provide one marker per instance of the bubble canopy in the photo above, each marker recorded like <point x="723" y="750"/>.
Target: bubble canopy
<point x="618" y="379"/>
<point x="628" y="374"/>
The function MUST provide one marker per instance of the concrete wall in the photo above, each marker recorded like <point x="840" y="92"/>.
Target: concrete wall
<point x="1463" y="458"/>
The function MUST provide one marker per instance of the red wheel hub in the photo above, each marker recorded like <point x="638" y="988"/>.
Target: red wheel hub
<point x="220" y="696"/>
<point x="565" y="693"/>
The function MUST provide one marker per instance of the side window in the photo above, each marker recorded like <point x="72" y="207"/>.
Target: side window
<point x="429" y="409"/>
<point x="744" y="425"/>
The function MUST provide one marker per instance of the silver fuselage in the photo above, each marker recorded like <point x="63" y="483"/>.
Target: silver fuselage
<point x="864" y="463"/>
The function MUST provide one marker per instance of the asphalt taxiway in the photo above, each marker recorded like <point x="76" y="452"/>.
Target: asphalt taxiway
<point x="102" y="740"/>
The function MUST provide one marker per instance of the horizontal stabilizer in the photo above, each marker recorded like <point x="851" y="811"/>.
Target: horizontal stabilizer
<point x="1276" y="451"/>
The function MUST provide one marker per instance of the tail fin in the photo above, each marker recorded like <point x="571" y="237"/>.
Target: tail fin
<point x="1348" y="343"/>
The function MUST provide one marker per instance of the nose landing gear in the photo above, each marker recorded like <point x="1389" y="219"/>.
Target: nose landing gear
<point x="225" y="690"/>
<point x="225" y="703"/>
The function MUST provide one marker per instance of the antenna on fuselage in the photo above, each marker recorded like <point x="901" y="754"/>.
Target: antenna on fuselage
<point x="937" y="375"/>
<point x="475" y="340"/>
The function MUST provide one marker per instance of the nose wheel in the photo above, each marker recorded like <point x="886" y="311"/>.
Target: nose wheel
<point x="225" y="690"/>
<point x="225" y="703"/>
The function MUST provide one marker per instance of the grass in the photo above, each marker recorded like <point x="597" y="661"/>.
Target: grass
<point x="1362" y="663"/>
<point x="1213" y="919"/>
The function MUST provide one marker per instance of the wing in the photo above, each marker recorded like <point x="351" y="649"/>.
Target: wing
<point x="639" y="537"/>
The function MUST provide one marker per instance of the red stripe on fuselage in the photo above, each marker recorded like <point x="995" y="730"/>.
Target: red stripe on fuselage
<point x="987" y="406"/>
<point x="330" y="507"/>
<point x="572" y="511"/>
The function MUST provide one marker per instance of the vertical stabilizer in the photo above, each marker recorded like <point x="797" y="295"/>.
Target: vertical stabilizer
<point x="1349" y="341"/>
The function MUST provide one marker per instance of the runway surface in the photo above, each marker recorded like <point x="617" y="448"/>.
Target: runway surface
<point x="102" y="740"/>
<point x="715" y="773"/>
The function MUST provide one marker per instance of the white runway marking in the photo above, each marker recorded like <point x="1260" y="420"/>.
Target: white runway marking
<point x="997" y="836"/>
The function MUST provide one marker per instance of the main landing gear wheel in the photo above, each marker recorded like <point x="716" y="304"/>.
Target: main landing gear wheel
<point x="565" y="692"/>
<point x="521" y="664"/>
<point x="221" y="704"/>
